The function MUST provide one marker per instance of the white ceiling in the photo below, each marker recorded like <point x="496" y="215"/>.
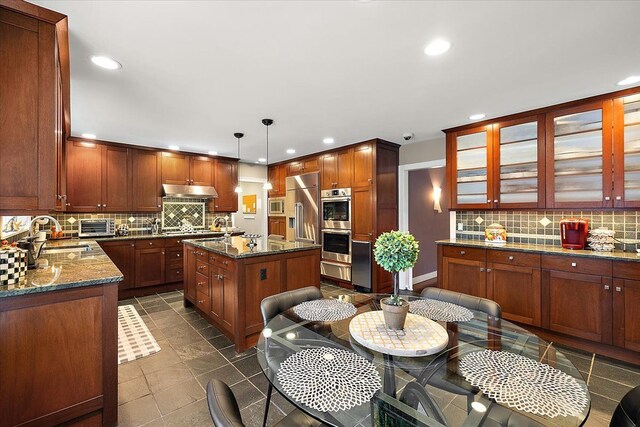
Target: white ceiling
<point x="196" y="72"/>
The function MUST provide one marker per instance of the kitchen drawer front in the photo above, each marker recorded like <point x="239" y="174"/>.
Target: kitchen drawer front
<point x="173" y="242"/>
<point x="576" y="264"/>
<point x="626" y="270"/>
<point x="202" y="267"/>
<point x="174" y="257"/>
<point x="203" y="302"/>
<point x="520" y="259"/>
<point x="222" y="262"/>
<point x="202" y="284"/>
<point x="202" y="255"/>
<point x="174" y="274"/>
<point x="150" y="243"/>
<point x="473" y="254"/>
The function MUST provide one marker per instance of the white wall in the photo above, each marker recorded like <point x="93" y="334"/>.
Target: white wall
<point x="251" y="223"/>
<point x="248" y="171"/>
<point x="424" y="151"/>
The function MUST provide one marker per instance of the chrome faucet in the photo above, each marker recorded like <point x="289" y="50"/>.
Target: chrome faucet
<point x="50" y="218"/>
<point x="216" y="222"/>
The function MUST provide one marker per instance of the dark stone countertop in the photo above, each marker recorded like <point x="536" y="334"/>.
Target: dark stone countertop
<point x="238" y="248"/>
<point x="146" y="235"/>
<point x="68" y="269"/>
<point x="616" y="255"/>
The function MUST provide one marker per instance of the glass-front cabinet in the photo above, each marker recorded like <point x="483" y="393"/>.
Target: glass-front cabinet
<point x="472" y="151"/>
<point x="579" y="157"/>
<point x="626" y="147"/>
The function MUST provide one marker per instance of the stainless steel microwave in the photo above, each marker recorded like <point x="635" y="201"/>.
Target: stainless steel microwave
<point x="104" y="227"/>
<point x="276" y="206"/>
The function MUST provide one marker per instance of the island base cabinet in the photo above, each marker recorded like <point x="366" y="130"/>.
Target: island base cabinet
<point x="517" y="290"/>
<point x="579" y="305"/>
<point x="626" y="314"/>
<point x="465" y="276"/>
<point x="59" y="353"/>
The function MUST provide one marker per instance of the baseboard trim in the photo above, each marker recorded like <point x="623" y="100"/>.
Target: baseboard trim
<point x="423" y="277"/>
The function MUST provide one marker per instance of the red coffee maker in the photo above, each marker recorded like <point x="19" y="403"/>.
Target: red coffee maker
<point x="573" y="233"/>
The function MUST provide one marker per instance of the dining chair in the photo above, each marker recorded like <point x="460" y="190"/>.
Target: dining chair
<point x="224" y="410"/>
<point x="484" y="305"/>
<point x="273" y="305"/>
<point x="627" y="413"/>
<point x="417" y="397"/>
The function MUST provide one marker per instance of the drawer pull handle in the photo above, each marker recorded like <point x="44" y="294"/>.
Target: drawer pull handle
<point x="225" y="262"/>
<point x="511" y="258"/>
<point x="150" y="243"/>
<point x="178" y="255"/>
<point x="574" y="264"/>
<point x="606" y="287"/>
<point x="200" y="283"/>
<point x="201" y="267"/>
<point x="607" y="198"/>
<point x="481" y="269"/>
<point x="618" y="197"/>
<point x="488" y="270"/>
<point x="618" y="289"/>
<point x="201" y="301"/>
<point x="462" y="252"/>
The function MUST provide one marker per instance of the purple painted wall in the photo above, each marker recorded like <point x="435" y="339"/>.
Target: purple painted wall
<point x="426" y="224"/>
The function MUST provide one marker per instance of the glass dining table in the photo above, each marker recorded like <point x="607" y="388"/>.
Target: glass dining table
<point x="417" y="391"/>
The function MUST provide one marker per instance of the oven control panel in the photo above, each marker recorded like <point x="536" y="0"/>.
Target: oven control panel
<point x="336" y="192"/>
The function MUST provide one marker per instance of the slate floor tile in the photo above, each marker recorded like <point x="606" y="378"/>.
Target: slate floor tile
<point x="138" y="412"/>
<point x="163" y="359"/>
<point x="168" y="377"/>
<point x="195" y="350"/>
<point x="248" y="366"/>
<point x="178" y="396"/>
<point x="132" y="390"/>
<point x="226" y="373"/>
<point x="206" y="363"/>
<point x="220" y="342"/>
<point x="253" y="414"/>
<point x="232" y="356"/>
<point x="246" y="393"/>
<point x="195" y="414"/>
<point x="209" y="332"/>
<point x="128" y="371"/>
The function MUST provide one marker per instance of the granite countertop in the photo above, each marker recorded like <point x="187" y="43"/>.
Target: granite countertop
<point x="238" y="248"/>
<point x="616" y="255"/>
<point x="68" y="269"/>
<point x="147" y="235"/>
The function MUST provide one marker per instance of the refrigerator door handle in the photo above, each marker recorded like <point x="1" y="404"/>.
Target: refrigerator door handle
<point x="299" y="219"/>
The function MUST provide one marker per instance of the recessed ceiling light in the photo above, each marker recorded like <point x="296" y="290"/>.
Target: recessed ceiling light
<point x="629" y="81"/>
<point x="262" y="159"/>
<point x="328" y="140"/>
<point x="174" y="147"/>
<point x="106" y="62"/>
<point x="213" y="153"/>
<point x="291" y="151"/>
<point x="476" y="116"/>
<point x="437" y="47"/>
<point x="89" y="135"/>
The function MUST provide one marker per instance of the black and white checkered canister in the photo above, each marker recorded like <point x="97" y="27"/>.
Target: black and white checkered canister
<point x="13" y="266"/>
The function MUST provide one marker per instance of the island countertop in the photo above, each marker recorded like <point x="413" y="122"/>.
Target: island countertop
<point x="616" y="255"/>
<point x="237" y="246"/>
<point x="67" y="269"/>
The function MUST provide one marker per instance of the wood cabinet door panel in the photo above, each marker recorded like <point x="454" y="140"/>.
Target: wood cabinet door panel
<point x="122" y="254"/>
<point x="517" y="290"/>
<point x="311" y="165"/>
<point x="574" y="264"/>
<point x="329" y="172"/>
<point x="115" y="179"/>
<point x="202" y="283"/>
<point x="345" y="169"/>
<point x="226" y="179"/>
<point x="294" y="168"/>
<point x="190" y="272"/>
<point x="463" y="252"/>
<point x="174" y="274"/>
<point x="257" y="288"/>
<point x="465" y="276"/>
<point x="84" y="176"/>
<point x="363" y="165"/>
<point x="175" y="168"/>
<point x="229" y="299"/>
<point x="201" y="171"/>
<point x="146" y="186"/>
<point x="521" y="259"/>
<point x="277" y="226"/>
<point x="580" y="305"/>
<point x="150" y="267"/>
<point x="626" y="314"/>
<point x="216" y="293"/>
<point x="362" y="214"/>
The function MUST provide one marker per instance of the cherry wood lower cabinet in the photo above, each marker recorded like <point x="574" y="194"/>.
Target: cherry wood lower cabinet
<point x="228" y="291"/>
<point x="465" y="276"/>
<point x="278" y="225"/>
<point x="60" y="355"/>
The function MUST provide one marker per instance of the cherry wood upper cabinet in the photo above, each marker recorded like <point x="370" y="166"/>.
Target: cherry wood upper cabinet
<point x="579" y="156"/>
<point x="84" y="176"/>
<point x="337" y="169"/>
<point x="277" y="175"/>
<point x="201" y="171"/>
<point x="115" y="179"/>
<point x="329" y="171"/>
<point x="626" y="151"/>
<point x="226" y="179"/>
<point x="471" y="154"/>
<point x="175" y="168"/>
<point x="311" y="164"/>
<point x="363" y="165"/>
<point x="146" y="188"/>
<point x="28" y="108"/>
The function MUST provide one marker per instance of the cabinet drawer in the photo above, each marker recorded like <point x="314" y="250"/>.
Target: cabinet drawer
<point x="626" y="270"/>
<point x="514" y="258"/>
<point x="202" y="283"/>
<point x="576" y="264"/>
<point x="150" y="243"/>
<point x="174" y="257"/>
<point x="475" y="254"/>
<point x="203" y="302"/>
<point x="173" y="242"/>
<point x="202" y="267"/>
<point x="174" y="274"/>
<point x="202" y="255"/>
<point x="222" y="262"/>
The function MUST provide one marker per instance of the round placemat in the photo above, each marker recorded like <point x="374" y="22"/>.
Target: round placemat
<point x="420" y="336"/>
<point x="525" y="384"/>
<point x="324" y="310"/>
<point x="328" y="379"/>
<point x="440" y="310"/>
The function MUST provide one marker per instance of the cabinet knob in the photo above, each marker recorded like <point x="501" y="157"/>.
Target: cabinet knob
<point x="150" y="243"/>
<point x="606" y="287"/>
<point x="132" y="245"/>
<point x="574" y="264"/>
<point x="481" y="268"/>
<point x="200" y="283"/>
<point x="370" y="180"/>
<point x="178" y="271"/>
<point x="489" y="201"/>
<point x="200" y="301"/>
<point x="463" y="252"/>
<point x="495" y="200"/>
<point x="67" y="204"/>
<point x="618" y="289"/>
<point x="225" y="262"/>
<point x="178" y="255"/>
<point x="162" y="252"/>
<point x="104" y="206"/>
<point x="488" y="270"/>
<point x="618" y="197"/>
<point x="511" y="258"/>
<point x="607" y="198"/>
<point x="99" y="205"/>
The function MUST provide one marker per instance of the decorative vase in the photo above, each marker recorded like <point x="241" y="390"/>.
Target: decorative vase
<point x="394" y="315"/>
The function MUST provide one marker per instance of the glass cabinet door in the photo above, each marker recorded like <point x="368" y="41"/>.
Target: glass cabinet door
<point x="519" y="172"/>
<point x="627" y="151"/>
<point x="579" y="153"/>
<point x="472" y="168"/>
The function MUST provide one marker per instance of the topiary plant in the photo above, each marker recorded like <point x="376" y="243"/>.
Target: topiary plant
<point x="396" y="251"/>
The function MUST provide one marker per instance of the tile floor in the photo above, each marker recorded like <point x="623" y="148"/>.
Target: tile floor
<point x="167" y="388"/>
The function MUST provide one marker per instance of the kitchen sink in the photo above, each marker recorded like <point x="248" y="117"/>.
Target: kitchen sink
<point x="65" y="249"/>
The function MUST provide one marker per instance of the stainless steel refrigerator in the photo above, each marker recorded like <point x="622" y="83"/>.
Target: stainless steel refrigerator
<point x="301" y="207"/>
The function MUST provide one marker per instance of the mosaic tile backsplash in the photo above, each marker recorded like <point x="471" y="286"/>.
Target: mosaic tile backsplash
<point x="543" y="227"/>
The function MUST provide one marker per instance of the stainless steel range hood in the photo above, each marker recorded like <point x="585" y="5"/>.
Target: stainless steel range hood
<point x="189" y="191"/>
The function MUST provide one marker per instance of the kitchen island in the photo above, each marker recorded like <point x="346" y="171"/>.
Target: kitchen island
<point x="226" y="281"/>
<point x="58" y="340"/>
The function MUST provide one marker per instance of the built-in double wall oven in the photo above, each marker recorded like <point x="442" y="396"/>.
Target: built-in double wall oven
<point x="336" y="208"/>
<point x="336" y="233"/>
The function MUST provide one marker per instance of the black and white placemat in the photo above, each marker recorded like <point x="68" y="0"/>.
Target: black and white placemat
<point x="328" y="379"/>
<point x="134" y="339"/>
<point x="324" y="310"/>
<point x="525" y="384"/>
<point x="440" y="310"/>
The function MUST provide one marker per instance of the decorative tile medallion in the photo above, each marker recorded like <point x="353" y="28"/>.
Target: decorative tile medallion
<point x="479" y="220"/>
<point x="71" y="220"/>
<point x="545" y="221"/>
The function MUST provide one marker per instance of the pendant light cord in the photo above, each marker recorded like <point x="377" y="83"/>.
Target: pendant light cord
<point x="267" y="146"/>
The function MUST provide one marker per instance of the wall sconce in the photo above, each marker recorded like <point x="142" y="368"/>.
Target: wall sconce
<point x="437" y="191"/>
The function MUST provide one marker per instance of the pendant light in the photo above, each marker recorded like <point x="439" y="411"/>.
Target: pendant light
<point x="267" y="122"/>
<point x="238" y="135"/>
